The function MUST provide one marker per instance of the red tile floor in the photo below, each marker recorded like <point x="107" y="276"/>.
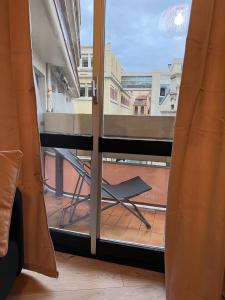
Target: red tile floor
<point x="117" y="223"/>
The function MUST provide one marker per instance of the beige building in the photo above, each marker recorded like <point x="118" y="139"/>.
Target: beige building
<point x="139" y="86"/>
<point x="141" y="105"/>
<point x="169" y="103"/>
<point x="154" y="93"/>
<point x="165" y="90"/>
<point x="116" y="99"/>
<point x="129" y="93"/>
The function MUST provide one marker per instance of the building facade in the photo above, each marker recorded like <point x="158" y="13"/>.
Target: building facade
<point x="55" y="35"/>
<point x="165" y="90"/>
<point x="116" y="99"/>
<point x="139" y="86"/>
<point x="129" y="93"/>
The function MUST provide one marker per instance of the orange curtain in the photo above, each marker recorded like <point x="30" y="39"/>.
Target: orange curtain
<point x="195" y="226"/>
<point x="19" y="130"/>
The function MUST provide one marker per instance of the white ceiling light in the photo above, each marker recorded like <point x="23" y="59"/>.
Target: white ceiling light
<point x="179" y="19"/>
<point x="174" y="20"/>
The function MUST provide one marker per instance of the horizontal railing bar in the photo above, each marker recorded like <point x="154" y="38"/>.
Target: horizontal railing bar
<point x="136" y="146"/>
<point x="110" y="145"/>
<point x="80" y="142"/>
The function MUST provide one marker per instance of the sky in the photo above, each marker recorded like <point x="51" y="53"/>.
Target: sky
<point x="145" y="35"/>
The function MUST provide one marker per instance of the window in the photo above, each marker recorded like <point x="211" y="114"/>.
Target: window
<point x="113" y="93"/>
<point x="89" y="91"/>
<point x="82" y="91"/>
<point x="124" y="100"/>
<point x="172" y="106"/>
<point x="136" y="110"/>
<point x="142" y="110"/>
<point x="84" y="62"/>
<point x="130" y="81"/>
<point x="162" y="91"/>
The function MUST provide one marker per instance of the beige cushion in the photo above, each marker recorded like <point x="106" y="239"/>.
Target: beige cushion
<point x="10" y="162"/>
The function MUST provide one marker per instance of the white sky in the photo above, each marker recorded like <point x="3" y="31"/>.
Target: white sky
<point x="134" y="29"/>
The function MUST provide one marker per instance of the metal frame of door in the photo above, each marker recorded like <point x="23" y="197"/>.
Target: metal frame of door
<point x="93" y="246"/>
<point x="97" y="119"/>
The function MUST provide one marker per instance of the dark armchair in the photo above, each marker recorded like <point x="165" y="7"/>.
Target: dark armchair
<point x="11" y="265"/>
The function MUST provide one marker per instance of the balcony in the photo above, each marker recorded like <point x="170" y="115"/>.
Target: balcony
<point x="117" y="223"/>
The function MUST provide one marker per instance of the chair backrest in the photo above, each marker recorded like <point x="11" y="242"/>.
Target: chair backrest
<point x="75" y="162"/>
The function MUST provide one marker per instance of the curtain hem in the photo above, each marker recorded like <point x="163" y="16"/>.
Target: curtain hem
<point x="35" y="268"/>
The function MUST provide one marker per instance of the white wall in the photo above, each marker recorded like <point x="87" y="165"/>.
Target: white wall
<point x="60" y="104"/>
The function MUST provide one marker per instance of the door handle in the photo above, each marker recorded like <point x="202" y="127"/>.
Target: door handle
<point x="94" y="83"/>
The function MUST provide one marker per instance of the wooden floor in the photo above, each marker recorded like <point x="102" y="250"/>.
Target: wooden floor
<point x="88" y="279"/>
<point x="117" y="223"/>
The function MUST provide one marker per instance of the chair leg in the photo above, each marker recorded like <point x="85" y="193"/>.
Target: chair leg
<point x="73" y="204"/>
<point x="61" y="221"/>
<point x="77" y="201"/>
<point x="141" y="217"/>
<point x="135" y="211"/>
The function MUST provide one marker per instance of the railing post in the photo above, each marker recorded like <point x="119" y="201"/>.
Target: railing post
<point x="58" y="175"/>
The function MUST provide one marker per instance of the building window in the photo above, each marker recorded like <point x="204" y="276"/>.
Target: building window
<point x="116" y="94"/>
<point x="89" y="91"/>
<point x="137" y="82"/>
<point x="162" y="91"/>
<point x="82" y="91"/>
<point x="136" y="110"/>
<point x="172" y="106"/>
<point x="124" y="100"/>
<point x="113" y="93"/>
<point x="85" y="62"/>
<point x="142" y="110"/>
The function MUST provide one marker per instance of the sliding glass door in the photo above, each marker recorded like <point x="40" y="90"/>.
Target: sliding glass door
<point x="107" y="77"/>
<point x="144" y="52"/>
<point x="62" y="77"/>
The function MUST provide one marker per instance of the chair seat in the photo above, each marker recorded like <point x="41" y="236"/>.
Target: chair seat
<point x="126" y="189"/>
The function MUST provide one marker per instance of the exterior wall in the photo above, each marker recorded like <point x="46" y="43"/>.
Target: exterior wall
<point x="170" y="103"/>
<point x="158" y="78"/>
<point x="82" y="106"/>
<point x="172" y="78"/>
<point x="52" y="33"/>
<point x="61" y="104"/>
<point x="40" y="88"/>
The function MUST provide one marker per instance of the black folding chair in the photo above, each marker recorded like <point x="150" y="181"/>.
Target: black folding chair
<point x="117" y="194"/>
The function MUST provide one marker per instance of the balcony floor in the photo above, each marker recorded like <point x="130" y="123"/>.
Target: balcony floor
<point x="117" y="223"/>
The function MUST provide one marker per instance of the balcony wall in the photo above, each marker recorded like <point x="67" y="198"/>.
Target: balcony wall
<point x="115" y="125"/>
<point x="161" y="128"/>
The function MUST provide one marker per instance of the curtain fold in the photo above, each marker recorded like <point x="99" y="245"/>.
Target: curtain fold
<point x="195" y="225"/>
<point x="19" y="130"/>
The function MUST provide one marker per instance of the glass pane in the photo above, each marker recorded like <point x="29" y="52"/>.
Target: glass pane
<point x="148" y="193"/>
<point x="61" y="71"/>
<point x="67" y="191"/>
<point x="143" y="68"/>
